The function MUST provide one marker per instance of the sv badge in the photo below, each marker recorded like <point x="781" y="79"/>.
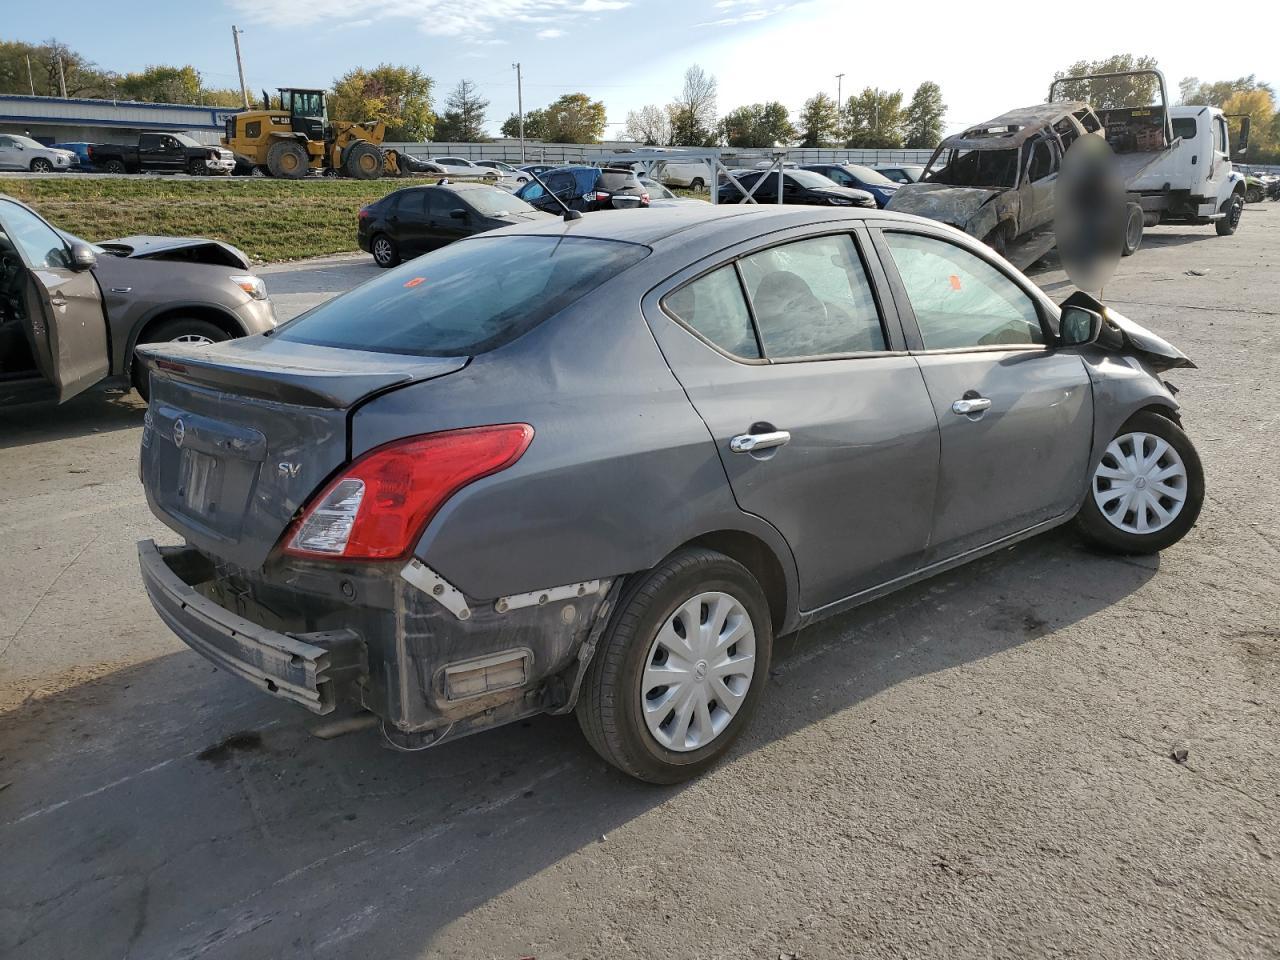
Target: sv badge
<point x="288" y="470"/>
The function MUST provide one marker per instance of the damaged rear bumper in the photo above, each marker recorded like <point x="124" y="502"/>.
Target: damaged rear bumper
<point x="306" y="668"/>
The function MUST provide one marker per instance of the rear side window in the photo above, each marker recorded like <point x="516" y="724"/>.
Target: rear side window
<point x="959" y="299"/>
<point x="467" y="298"/>
<point x="812" y="298"/>
<point x="713" y="306"/>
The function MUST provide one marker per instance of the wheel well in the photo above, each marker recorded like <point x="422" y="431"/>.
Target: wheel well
<point x="1160" y="410"/>
<point x="754" y="554"/>
<point x="218" y="318"/>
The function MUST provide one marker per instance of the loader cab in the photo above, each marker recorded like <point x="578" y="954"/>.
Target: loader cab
<point x="306" y="111"/>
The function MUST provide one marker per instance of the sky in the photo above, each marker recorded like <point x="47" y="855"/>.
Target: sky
<point x="632" y="52"/>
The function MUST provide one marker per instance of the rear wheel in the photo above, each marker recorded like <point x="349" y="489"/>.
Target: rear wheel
<point x="680" y="669"/>
<point x="696" y="184"/>
<point x="41" y="165"/>
<point x="178" y="330"/>
<point x="1132" y="231"/>
<point x="1146" y="492"/>
<point x="1231" y="210"/>
<point x="288" y="160"/>
<point x="364" y="161"/>
<point x="386" y="253"/>
<point x="114" y="166"/>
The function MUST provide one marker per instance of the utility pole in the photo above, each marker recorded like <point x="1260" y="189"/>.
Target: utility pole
<point x="520" y="106"/>
<point x="62" y="78"/>
<point x="31" y="77"/>
<point x="244" y="91"/>
<point x="839" y="88"/>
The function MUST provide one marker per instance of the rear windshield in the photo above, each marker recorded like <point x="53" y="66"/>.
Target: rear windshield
<point x="617" y="179"/>
<point x="465" y="298"/>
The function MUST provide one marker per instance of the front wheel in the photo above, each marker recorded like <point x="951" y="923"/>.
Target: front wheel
<point x="1232" y="211"/>
<point x="41" y="165"/>
<point x="680" y="669"/>
<point x="1146" y="491"/>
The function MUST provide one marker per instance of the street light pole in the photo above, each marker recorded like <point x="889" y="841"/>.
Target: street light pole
<point x="244" y="91"/>
<point x="520" y="106"/>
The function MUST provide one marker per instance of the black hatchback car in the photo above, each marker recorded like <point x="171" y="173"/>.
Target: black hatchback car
<point x="585" y="189"/>
<point x="798" y="186"/>
<point x="410" y="222"/>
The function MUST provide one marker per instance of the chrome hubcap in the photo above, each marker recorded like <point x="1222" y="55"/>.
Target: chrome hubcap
<point x="382" y="250"/>
<point x="698" y="671"/>
<point x="1141" y="483"/>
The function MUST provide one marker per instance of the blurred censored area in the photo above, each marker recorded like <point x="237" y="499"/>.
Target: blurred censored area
<point x="1090" y="213"/>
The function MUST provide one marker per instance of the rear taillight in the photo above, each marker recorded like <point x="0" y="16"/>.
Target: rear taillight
<point x="644" y="199"/>
<point x="601" y="196"/>
<point x="378" y="507"/>
<point x="364" y="213"/>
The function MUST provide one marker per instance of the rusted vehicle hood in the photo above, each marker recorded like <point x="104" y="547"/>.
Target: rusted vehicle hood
<point x="938" y="201"/>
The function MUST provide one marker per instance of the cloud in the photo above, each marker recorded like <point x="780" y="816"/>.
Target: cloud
<point x="475" y="22"/>
<point x="750" y="11"/>
<point x="550" y="33"/>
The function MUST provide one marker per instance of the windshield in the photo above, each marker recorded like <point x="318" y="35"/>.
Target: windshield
<point x="466" y="298"/>
<point x="492" y="202"/>
<point x="974" y="168"/>
<point x="867" y="175"/>
<point x="185" y="140"/>
<point x="807" y="178"/>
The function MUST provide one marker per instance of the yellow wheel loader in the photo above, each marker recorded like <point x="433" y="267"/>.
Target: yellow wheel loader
<point x="298" y="138"/>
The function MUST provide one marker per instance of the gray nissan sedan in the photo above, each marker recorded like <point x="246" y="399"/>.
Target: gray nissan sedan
<point x="599" y="465"/>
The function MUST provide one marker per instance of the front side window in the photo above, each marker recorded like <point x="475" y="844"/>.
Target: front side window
<point x="467" y="298"/>
<point x="959" y="299"/>
<point x="713" y="306"/>
<point x="39" y="244"/>
<point x="1220" y="135"/>
<point x="812" y="298"/>
<point x="1041" y="161"/>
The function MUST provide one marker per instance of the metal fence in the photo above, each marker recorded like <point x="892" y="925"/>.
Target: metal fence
<point x="560" y="153"/>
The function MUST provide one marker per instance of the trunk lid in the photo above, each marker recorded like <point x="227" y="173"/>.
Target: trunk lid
<point x="239" y="435"/>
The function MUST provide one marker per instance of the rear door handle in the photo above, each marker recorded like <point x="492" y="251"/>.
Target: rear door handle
<point x="970" y="405"/>
<point x="750" y="442"/>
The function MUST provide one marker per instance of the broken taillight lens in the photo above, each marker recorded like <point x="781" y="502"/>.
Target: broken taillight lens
<point x="378" y="507"/>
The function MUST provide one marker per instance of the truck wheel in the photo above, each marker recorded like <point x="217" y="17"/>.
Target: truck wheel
<point x="1132" y="231"/>
<point x="696" y="184"/>
<point x="178" y="330"/>
<point x="114" y="166"/>
<point x="1146" y="492"/>
<point x="1232" y="210"/>
<point x="196" y="168"/>
<point x="364" y="161"/>
<point x="288" y="160"/>
<point x="680" y="669"/>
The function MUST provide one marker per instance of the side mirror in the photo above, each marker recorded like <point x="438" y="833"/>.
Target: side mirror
<point x="458" y="213"/>
<point x="83" y="257"/>
<point x="1079" y="327"/>
<point x="1242" y="143"/>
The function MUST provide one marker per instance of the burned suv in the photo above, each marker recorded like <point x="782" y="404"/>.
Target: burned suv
<point x="996" y="181"/>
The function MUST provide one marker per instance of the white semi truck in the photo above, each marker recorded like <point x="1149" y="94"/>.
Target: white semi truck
<point x="1175" y="161"/>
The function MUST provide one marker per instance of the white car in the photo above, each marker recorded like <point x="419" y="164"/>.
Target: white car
<point x="462" y="167"/>
<point x="22" y="153"/>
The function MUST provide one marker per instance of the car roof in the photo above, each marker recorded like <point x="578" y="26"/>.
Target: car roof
<point x="1010" y="129"/>
<point x="456" y="187"/>
<point x="657" y="226"/>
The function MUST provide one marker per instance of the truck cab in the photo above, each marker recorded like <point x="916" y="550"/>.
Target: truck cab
<point x="1197" y="164"/>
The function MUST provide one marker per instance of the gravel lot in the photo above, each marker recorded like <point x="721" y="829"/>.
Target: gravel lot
<point x="980" y="766"/>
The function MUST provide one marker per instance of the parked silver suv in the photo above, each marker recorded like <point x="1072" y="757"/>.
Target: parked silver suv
<point x="22" y="153"/>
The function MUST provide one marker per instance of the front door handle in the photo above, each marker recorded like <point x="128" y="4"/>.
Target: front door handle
<point x="970" y="405"/>
<point x="751" y="442"/>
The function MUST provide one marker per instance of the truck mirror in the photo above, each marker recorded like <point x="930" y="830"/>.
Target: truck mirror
<point x="1242" y="143"/>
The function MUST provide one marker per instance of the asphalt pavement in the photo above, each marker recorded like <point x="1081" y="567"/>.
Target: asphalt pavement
<point x="989" y="764"/>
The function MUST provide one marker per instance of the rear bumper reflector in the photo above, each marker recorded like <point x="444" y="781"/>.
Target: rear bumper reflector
<point x="305" y="668"/>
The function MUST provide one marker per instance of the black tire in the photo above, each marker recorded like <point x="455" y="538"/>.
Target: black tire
<point x="364" y="161"/>
<point x="1232" y="209"/>
<point x="1096" y="528"/>
<point x="114" y="166"/>
<point x="1253" y="195"/>
<point x="696" y="184"/>
<point x="1132" y="231"/>
<point x="288" y="160"/>
<point x="41" y="165"/>
<point x="386" y="252"/>
<point x="609" y="709"/>
<point x="196" y="168"/>
<point x="175" y="330"/>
